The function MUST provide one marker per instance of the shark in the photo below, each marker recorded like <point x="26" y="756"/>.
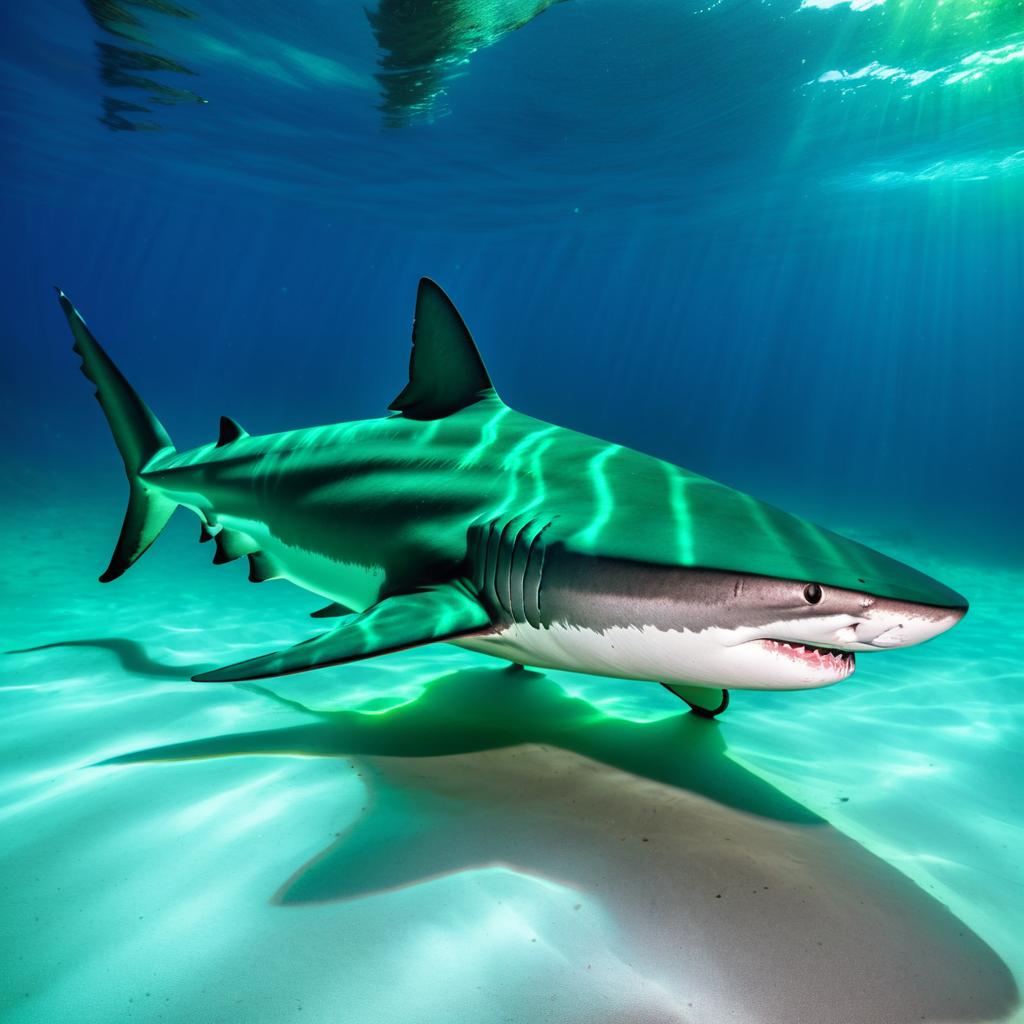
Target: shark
<point x="457" y="519"/>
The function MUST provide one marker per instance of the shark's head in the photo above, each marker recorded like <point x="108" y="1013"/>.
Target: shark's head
<point x="774" y="603"/>
<point x="727" y="628"/>
<point x="810" y="633"/>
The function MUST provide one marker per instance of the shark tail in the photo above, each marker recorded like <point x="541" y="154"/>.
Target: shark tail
<point x="139" y="437"/>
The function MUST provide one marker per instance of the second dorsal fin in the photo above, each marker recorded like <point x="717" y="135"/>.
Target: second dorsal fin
<point x="229" y="431"/>
<point x="446" y="372"/>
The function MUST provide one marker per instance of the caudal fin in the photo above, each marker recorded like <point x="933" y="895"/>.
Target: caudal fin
<point x="139" y="437"/>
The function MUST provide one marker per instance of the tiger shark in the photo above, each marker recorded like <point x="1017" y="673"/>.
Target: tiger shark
<point x="458" y="519"/>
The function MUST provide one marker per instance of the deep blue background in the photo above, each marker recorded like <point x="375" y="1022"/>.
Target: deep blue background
<point x="658" y="227"/>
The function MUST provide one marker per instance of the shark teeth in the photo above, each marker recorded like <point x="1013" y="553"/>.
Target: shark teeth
<point x="820" y="657"/>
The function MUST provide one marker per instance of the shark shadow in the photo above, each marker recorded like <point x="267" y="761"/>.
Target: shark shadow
<point x="719" y="888"/>
<point x="132" y="656"/>
<point x="476" y="710"/>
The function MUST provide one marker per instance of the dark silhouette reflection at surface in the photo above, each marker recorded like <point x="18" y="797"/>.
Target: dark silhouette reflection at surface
<point x="119" y="66"/>
<point x="713" y="880"/>
<point x="114" y="118"/>
<point x="116" y="16"/>
<point x="423" y="43"/>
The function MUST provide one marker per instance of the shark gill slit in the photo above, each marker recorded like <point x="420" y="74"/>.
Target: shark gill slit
<point x="514" y="576"/>
<point x="502" y="567"/>
<point x="517" y="571"/>
<point x="533" y="577"/>
<point x="494" y="540"/>
<point x="507" y="562"/>
<point x="521" y="583"/>
<point x="494" y="591"/>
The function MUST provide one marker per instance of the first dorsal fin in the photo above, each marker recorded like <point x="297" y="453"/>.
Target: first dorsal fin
<point x="446" y="372"/>
<point x="229" y="431"/>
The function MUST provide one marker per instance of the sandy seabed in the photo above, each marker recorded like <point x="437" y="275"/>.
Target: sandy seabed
<point x="433" y="836"/>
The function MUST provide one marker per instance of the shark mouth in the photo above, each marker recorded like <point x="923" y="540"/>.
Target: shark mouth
<point x="828" y="658"/>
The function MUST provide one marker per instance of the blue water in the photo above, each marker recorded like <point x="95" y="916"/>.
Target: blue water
<point x="777" y="244"/>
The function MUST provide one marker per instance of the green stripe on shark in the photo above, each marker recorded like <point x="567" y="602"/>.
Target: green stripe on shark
<point x="460" y="519"/>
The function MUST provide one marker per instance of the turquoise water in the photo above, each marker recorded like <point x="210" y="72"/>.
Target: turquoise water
<point x="436" y="832"/>
<point x="773" y="241"/>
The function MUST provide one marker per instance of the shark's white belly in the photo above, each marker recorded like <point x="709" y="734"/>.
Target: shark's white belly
<point x="709" y="657"/>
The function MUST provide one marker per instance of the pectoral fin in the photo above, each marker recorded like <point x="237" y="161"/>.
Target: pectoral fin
<point x="394" y="624"/>
<point x="705" y="701"/>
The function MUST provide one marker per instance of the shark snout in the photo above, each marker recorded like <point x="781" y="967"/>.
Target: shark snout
<point x="894" y="636"/>
<point x="907" y="625"/>
<point x="878" y="625"/>
<point x="884" y="625"/>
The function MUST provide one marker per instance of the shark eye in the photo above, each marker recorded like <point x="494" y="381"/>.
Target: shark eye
<point x="812" y="593"/>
